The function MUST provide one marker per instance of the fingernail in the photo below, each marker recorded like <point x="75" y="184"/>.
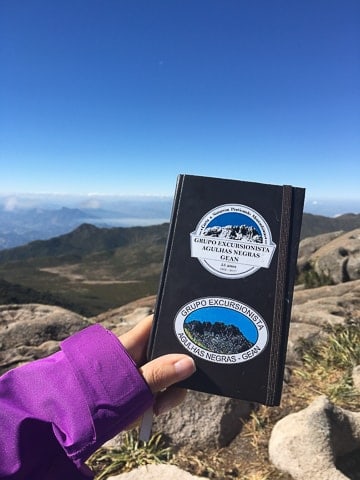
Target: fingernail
<point x="185" y="367"/>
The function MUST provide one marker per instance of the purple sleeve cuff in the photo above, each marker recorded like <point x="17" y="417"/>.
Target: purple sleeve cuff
<point x="115" y="392"/>
<point x="58" y="410"/>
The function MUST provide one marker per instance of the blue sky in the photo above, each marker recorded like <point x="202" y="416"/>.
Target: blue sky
<point x="119" y="96"/>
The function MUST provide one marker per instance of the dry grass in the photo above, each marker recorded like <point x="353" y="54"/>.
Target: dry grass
<point x="327" y="366"/>
<point x="130" y="454"/>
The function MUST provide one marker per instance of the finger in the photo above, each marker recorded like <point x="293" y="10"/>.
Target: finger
<point x="135" y="340"/>
<point x="171" y="398"/>
<point x="167" y="370"/>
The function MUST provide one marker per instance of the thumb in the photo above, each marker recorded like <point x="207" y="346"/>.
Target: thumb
<point x="167" y="370"/>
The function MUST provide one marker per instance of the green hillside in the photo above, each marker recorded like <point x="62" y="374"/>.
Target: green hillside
<point x="85" y="240"/>
<point x="92" y="269"/>
<point x="316" y="224"/>
<point x="14" y="293"/>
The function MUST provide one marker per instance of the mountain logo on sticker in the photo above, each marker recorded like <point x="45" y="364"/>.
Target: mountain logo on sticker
<point x="232" y="241"/>
<point x="221" y="330"/>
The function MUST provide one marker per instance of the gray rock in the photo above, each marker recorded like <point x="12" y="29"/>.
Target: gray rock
<point x="156" y="472"/>
<point x="122" y="319"/>
<point x="304" y="295"/>
<point x="340" y="258"/>
<point x="308" y="246"/>
<point x="25" y="331"/>
<point x="33" y="324"/>
<point x="17" y="356"/>
<point x="356" y="377"/>
<point x="203" y="420"/>
<point x="32" y="331"/>
<point x="297" y="333"/>
<point x="306" y="444"/>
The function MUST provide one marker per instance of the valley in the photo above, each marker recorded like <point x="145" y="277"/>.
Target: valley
<point x="115" y="266"/>
<point x="91" y="269"/>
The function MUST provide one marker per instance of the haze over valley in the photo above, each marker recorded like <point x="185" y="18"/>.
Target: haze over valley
<point x="28" y="217"/>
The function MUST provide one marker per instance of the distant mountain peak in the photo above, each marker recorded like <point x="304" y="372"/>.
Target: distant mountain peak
<point x="86" y="227"/>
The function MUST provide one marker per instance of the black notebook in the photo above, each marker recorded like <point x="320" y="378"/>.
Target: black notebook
<point x="226" y="288"/>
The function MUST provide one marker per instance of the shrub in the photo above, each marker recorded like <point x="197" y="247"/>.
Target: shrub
<point x="311" y="279"/>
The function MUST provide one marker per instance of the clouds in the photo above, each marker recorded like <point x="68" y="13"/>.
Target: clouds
<point x="92" y="203"/>
<point x="13" y="202"/>
<point x="10" y="204"/>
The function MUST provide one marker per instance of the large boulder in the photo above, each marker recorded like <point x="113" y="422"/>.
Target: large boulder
<point x="123" y="318"/>
<point x="156" y="472"/>
<point x="203" y="421"/>
<point x="16" y="356"/>
<point x="32" y="331"/>
<point x="339" y="259"/>
<point x="308" y="246"/>
<point x="33" y="324"/>
<point x="308" y="443"/>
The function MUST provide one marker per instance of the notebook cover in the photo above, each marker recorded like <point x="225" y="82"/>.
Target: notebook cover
<point x="226" y="287"/>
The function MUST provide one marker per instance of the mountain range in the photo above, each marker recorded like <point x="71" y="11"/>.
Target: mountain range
<point x="27" y="218"/>
<point x="317" y="224"/>
<point x="25" y="225"/>
<point x="21" y="223"/>
<point x="95" y="269"/>
<point x="217" y="337"/>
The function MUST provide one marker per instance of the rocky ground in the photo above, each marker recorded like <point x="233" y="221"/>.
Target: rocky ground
<point x="226" y="439"/>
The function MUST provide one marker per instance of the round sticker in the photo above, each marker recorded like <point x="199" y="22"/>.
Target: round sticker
<point x="232" y="241"/>
<point x="221" y="330"/>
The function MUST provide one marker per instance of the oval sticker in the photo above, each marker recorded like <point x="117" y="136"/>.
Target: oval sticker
<point x="221" y="330"/>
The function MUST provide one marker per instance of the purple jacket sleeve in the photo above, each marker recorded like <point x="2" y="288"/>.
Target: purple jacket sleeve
<point x="55" y="412"/>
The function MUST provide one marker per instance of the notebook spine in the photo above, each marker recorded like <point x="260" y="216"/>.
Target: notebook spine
<point x="168" y="248"/>
<point x="279" y="321"/>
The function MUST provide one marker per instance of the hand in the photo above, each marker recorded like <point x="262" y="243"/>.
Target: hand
<point x="160" y="373"/>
